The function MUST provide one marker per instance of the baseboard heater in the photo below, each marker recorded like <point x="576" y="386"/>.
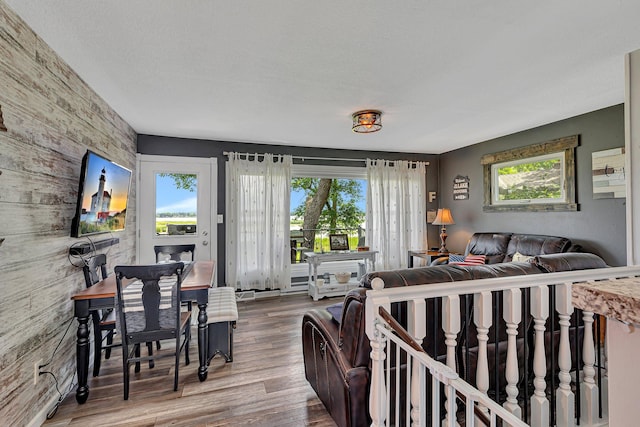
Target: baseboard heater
<point x="245" y="295"/>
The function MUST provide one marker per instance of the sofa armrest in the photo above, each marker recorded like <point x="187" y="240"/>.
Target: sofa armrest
<point x="568" y="261"/>
<point x="342" y="388"/>
<point x="440" y="261"/>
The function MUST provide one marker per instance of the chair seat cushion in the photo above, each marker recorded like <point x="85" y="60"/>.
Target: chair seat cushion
<point x="222" y="305"/>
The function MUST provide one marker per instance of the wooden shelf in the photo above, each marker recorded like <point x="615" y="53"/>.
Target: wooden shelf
<point x="85" y="248"/>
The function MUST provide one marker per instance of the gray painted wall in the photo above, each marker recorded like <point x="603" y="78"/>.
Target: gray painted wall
<point x="167" y="146"/>
<point x="599" y="225"/>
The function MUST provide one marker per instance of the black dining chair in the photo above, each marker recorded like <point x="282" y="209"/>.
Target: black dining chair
<point x="148" y="309"/>
<point x="104" y="321"/>
<point x="175" y="253"/>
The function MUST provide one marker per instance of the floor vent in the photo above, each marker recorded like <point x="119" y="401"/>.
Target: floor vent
<point x="245" y="295"/>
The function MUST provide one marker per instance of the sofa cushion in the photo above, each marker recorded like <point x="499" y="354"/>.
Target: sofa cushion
<point x="493" y="245"/>
<point x="569" y="261"/>
<point x="533" y="244"/>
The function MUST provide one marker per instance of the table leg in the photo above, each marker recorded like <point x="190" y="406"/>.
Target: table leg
<point x="82" y="359"/>
<point x="203" y="344"/>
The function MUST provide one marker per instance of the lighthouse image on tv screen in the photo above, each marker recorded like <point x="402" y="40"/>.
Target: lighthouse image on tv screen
<point x="102" y="197"/>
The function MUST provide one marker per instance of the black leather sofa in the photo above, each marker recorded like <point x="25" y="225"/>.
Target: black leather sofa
<point x="336" y="349"/>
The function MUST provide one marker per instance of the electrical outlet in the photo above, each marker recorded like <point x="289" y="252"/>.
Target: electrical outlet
<point x="36" y="371"/>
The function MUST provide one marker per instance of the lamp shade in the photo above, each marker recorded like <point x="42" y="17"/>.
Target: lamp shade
<point x="443" y="217"/>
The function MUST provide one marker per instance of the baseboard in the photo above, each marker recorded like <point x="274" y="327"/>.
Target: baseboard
<point x="268" y="294"/>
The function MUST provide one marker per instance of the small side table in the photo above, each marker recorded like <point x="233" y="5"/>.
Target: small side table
<point x="430" y="256"/>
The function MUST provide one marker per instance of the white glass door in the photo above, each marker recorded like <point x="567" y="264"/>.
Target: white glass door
<point x="176" y="205"/>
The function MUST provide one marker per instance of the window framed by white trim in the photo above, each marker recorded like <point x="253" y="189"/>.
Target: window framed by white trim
<point x="302" y="170"/>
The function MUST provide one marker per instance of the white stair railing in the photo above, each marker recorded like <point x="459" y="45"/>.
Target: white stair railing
<point x="512" y="288"/>
<point x="479" y="408"/>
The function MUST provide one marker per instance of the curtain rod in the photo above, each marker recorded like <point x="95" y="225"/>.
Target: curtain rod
<point x="303" y="158"/>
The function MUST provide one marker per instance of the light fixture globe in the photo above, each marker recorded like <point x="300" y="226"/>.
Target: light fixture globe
<point x="367" y="121"/>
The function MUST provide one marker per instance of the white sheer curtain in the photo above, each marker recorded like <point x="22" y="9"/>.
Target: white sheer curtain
<point x="258" y="194"/>
<point x="396" y="210"/>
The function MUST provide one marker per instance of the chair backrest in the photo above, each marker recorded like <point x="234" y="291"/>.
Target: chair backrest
<point x="173" y="251"/>
<point x="148" y="305"/>
<point x="95" y="269"/>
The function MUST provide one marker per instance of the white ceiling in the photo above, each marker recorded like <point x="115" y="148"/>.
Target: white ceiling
<point x="445" y="73"/>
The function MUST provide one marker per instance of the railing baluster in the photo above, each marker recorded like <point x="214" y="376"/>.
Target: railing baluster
<point x="417" y="321"/>
<point x="565" y="400"/>
<point x="451" y="327"/>
<point x="540" y="312"/>
<point x="482" y="314"/>
<point x="435" y="401"/>
<point x="576" y="318"/>
<point x="589" y="395"/>
<point x="512" y="314"/>
<point x="604" y="384"/>
<point x="525" y="328"/>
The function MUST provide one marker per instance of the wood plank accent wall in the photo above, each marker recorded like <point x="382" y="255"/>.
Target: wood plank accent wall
<point x="52" y="117"/>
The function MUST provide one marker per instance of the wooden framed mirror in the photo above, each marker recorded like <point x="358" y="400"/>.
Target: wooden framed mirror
<point x="539" y="177"/>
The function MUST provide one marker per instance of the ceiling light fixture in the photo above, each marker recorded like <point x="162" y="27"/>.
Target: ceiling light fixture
<point x="367" y="121"/>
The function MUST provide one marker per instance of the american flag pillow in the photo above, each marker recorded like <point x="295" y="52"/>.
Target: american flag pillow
<point x="472" y="260"/>
<point x="455" y="258"/>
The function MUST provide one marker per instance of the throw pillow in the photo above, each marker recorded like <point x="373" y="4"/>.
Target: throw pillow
<point x="455" y="258"/>
<point x="475" y="259"/>
<point x="472" y="260"/>
<point x="518" y="257"/>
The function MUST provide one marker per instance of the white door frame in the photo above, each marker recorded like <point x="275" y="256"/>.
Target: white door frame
<point x="211" y="187"/>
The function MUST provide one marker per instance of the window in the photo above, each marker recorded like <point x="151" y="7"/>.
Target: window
<point x="176" y="203"/>
<point x="342" y="212"/>
<point x="538" y="177"/>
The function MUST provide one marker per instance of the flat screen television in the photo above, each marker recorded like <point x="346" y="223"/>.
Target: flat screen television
<point x="102" y="197"/>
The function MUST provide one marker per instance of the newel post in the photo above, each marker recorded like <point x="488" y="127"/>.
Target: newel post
<point x="378" y="391"/>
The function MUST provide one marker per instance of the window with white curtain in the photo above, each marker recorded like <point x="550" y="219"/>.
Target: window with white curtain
<point x="396" y="210"/>
<point x="257" y="228"/>
<point x="302" y="170"/>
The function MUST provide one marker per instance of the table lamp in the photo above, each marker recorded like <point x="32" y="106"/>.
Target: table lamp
<point x="443" y="218"/>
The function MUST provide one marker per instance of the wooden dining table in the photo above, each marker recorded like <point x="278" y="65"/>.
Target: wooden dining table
<point x="195" y="287"/>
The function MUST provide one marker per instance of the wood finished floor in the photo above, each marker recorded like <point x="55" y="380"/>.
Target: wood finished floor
<point x="263" y="386"/>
